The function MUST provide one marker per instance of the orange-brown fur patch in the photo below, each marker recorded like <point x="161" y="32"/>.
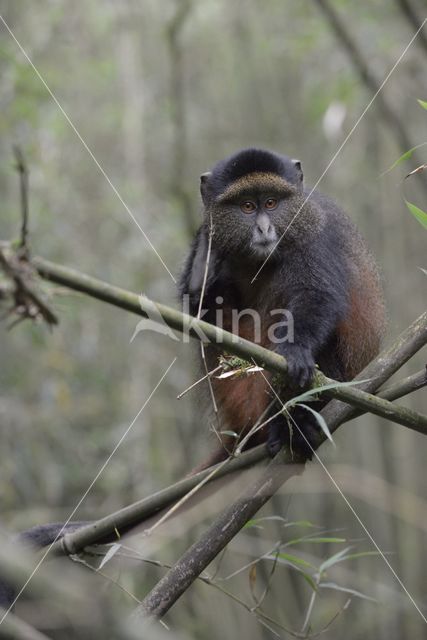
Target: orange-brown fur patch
<point x="359" y="335"/>
<point x="241" y="400"/>
<point x="256" y="180"/>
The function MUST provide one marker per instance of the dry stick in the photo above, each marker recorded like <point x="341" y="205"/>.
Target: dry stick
<point x="237" y="345"/>
<point x="199" y="311"/>
<point x="23" y="181"/>
<point x="208" y="375"/>
<point x="178" y="579"/>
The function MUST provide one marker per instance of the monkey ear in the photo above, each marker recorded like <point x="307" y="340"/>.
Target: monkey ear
<point x="298" y="166"/>
<point x="204" y="180"/>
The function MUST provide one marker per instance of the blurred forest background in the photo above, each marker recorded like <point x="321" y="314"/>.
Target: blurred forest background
<point x="160" y="91"/>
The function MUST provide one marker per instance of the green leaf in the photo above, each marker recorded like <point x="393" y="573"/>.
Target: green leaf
<point x="343" y="555"/>
<point x="337" y="587"/>
<point x="291" y="559"/>
<point x="418" y="213"/>
<point x="423" y="103"/>
<point x="286" y="523"/>
<point x="252" y="524"/>
<point x="363" y="554"/>
<point x="311" y="392"/>
<point x="309" y="579"/>
<point x="403" y="157"/>
<point x="301" y="523"/>
<point x="337" y="557"/>
<point x="266" y="518"/>
<point x="317" y="540"/>
<point x="320" y="421"/>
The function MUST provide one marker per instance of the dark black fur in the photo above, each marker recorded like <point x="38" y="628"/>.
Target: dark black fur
<point x="36" y="538"/>
<point x="248" y="161"/>
<point x="308" y="275"/>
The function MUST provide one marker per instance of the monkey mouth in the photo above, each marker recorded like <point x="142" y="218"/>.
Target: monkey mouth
<point x="263" y="247"/>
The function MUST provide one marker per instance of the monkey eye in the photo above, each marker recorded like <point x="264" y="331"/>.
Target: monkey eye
<point x="270" y="203"/>
<point x="248" y="206"/>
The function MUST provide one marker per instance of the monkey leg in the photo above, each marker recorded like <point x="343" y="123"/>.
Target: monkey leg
<point x="298" y="431"/>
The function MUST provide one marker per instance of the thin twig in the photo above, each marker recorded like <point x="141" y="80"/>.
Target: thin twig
<point x="199" y="311"/>
<point x="208" y="375"/>
<point x="23" y="182"/>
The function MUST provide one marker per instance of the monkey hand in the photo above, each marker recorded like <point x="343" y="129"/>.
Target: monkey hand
<point x="300" y="363"/>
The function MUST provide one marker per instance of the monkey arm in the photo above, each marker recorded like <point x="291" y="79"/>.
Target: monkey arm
<point x="191" y="281"/>
<point x="316" y="314"/>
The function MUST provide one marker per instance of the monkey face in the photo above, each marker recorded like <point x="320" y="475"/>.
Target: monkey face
<point x="256" y="211"/>
<point x="251" y="199"/>
<point x="251" y="223"/>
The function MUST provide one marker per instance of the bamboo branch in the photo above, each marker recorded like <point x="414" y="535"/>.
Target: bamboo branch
<point x="178" y="579"/>
<point x="106" y="529"/>
<point x="403" y="387"/>
<point x="235" y="344"/>
<point x="410" y="341"/>
<point x="380" y="370"/>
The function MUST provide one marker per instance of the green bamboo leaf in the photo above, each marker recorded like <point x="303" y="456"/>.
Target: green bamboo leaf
<point x="354" y="592"/>
<point x="301" y="523"/>
<point x="316" y="540"/>
<point x="423" y="103"/>
<point x="253" y="524"/>
<point x="418" y="213"/>
<point x="337" y="557"/>
<point x="343" y="555"/>
<point x="291" y="559"/>
<point x="308" y="579"/>
<point x="363" y="554"/>
<point x="320" y="421"/>
<point x="312" y="392"/>
<point x="403" y="157"/>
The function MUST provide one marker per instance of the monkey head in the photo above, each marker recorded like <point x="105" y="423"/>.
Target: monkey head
<point x="251" y="198"/>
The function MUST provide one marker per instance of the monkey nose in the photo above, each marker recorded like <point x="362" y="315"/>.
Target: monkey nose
<point x="263" y="230"/>
<point x="264" y="235"/>
<point x="264" y="226"/>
